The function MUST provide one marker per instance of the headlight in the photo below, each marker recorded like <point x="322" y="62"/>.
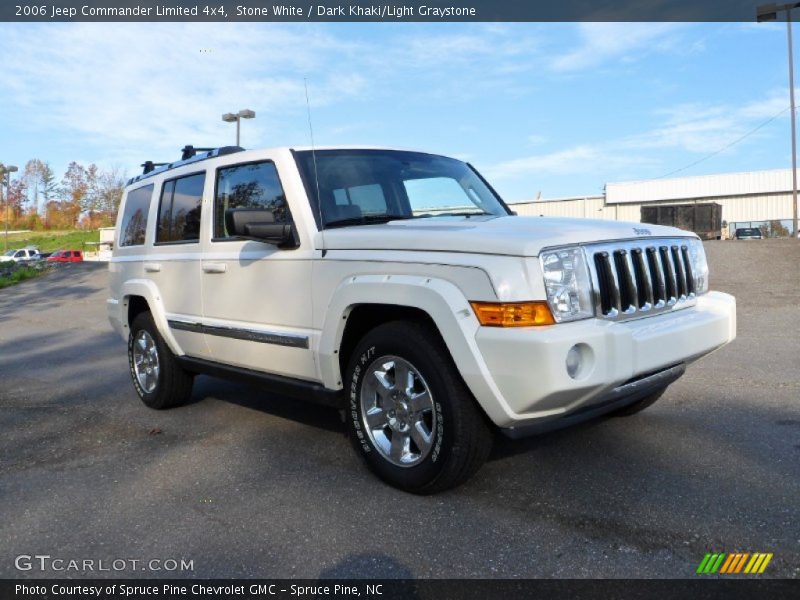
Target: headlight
<point x="697" y="259"/>
<point x="566" y="280"/>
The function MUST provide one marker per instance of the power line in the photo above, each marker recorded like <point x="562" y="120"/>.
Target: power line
<point x="733" y="143"/>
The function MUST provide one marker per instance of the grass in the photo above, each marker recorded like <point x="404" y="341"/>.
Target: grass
<point x="49" y="241"/>
<point x="12" y="273"/>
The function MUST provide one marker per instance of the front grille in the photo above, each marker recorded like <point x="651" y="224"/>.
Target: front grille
<point x="640" y="278"/>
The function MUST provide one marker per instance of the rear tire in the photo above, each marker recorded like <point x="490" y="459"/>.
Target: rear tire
<point x="640" y="405"/>
<point x="158" y="378"/>
<point x="409" y="414"/>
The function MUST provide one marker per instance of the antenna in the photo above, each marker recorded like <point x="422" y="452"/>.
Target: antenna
<point x="316" y="176"/>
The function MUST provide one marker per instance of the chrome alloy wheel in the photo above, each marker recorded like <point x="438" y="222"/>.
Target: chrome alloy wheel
<point x="397" y="411"/>
<point x="145" y="361"/>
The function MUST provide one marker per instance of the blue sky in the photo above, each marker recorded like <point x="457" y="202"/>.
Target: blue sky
<point x="556" y="109"/>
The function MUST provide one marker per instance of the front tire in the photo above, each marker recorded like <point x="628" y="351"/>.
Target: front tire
<point x="158" y="378"/>
<point x="410" y="416"/>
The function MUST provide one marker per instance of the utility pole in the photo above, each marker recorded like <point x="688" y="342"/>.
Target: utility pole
<point x="769" y="12"/>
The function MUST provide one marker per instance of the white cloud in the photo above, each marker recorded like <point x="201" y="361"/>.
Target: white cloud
<point x="585" y="158"/>
<point x="602" y="42"/>
<point x="144" y="90"/>
<point x="690" y="129"/>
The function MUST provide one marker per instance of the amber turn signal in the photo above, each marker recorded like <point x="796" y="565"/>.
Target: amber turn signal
<point x="513" y="314"/>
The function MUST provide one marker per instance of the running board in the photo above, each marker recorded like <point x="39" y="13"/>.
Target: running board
<point x="285" y="386"/>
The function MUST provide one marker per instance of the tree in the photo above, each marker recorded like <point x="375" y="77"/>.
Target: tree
<point x="90" y="203"/>
<point x="111" y="186"/>
<point x="49" y="185"/>
<point x="75" y="187"/>
<point x="15" y="198"/>
<point x="32" y="174"/>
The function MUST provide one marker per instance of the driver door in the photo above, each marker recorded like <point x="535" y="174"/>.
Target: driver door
<point x="256" y="296"/>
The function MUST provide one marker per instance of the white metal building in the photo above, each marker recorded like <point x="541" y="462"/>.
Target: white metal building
<point x="747" y="199"/>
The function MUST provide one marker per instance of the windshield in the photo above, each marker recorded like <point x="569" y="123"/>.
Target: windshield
<point x="9" y="253"/>
<point x="749" y="232"/>
<point x="374" y="186"/>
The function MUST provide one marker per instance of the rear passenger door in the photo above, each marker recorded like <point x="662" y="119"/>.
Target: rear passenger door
<point x="174" y="264"/>
<point x="256" y="296"/>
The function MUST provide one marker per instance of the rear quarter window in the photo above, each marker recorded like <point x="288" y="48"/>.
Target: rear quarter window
<point x="134" y="217"/>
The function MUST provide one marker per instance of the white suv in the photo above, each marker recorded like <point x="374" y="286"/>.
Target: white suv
<point x="400" y="288"/>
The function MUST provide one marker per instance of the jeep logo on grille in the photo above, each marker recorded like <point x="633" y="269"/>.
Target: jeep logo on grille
<point x="639" y="231"/>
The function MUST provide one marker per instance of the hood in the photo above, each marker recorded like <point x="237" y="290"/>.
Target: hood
<point x="511" y="235"/>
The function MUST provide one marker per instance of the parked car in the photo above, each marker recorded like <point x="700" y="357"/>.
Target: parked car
<point x="28" y="254"/>
<point x="749" y="233"/>
<point x="66" y="256"/>
<point x="398" y="287"/>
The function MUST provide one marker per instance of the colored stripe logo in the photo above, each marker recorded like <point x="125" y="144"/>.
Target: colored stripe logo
<point x="734" y="563"/>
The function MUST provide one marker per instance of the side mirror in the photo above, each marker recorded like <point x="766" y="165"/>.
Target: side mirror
<point x="259" y="224"/>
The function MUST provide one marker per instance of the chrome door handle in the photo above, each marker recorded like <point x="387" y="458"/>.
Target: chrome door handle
<point x="215" y="267"/>
<point x="152" y="267"/>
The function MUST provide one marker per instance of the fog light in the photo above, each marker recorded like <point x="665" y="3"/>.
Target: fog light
<point x="574" y="360"/>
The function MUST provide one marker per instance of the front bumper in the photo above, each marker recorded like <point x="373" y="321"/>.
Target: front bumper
<point x="527" y="366"/>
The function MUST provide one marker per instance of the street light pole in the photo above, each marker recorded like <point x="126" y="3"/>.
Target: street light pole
<point x="769" y="12"/>
<point x="245" y="113"/>
<point x="2" y="178"/>
<point x="5" y="173"/>
<point x="794" y="126"/>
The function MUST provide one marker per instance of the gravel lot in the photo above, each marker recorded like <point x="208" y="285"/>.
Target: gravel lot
<point x="248" y="484"/>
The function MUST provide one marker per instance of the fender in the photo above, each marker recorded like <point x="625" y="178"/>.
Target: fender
<point x="147" y="290"/>
<point x="442" y="301"/>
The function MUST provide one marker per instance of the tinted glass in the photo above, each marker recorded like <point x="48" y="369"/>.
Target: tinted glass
<point x="134" y="218"/>
<point x="179" y="211"/>
<point x="253" y="185"/>
<point x="435" y="194"/>
<point x="369" y="198"/>
<point x="393" y="184"/>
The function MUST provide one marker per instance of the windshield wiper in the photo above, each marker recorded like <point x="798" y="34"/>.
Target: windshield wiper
<point x="453" y="214"/>
<point x="365" y="220"/>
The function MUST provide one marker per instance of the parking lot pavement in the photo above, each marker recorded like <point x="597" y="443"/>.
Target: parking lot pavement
<point x="244" y="483"/>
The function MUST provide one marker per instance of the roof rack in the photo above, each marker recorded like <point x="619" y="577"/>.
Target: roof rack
<point x="189" y="154"/>
<point x="149" y="165"/>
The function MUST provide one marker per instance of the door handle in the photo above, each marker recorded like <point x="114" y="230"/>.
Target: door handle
<point x="215" y="267"/>
<point x="152" y="267"/>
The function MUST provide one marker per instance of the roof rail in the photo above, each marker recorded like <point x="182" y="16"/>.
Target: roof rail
<point x="189" y="154"/>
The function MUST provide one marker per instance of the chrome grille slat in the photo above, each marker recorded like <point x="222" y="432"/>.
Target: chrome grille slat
<point x="627" y="289"/>
<point x="680" y="275"/>
<point x="639" y="278"/>
<point x="657" y="277"/>
<point x="610" y="301"/>
<point x="669" y="274"/>
<point x="689" y="275"/>
<point x="643" y="285"/>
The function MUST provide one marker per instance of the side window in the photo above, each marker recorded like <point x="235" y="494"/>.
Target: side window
<point x="179" y="210"/>
<point x="253" y="185"/>
<point x="134" y="218"/>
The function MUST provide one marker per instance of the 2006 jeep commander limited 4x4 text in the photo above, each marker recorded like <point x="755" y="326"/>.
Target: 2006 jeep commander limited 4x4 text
<point x="400" y="288"/>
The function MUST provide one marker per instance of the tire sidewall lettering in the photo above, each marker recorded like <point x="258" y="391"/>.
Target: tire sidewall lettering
<point x="354" y="409"/>
<point x="139" y="389"/>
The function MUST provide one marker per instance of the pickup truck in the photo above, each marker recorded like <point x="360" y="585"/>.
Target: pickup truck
<point x="23" y="255"/>
<point x="398" y="287"/>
